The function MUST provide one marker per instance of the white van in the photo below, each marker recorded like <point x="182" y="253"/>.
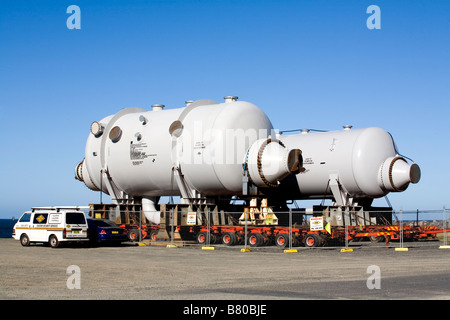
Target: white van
<point x="51" y="225"/>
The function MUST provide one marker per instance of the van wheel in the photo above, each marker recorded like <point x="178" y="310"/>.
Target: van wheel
<point x="54" y="243"/>
<point x="24" y="240"/>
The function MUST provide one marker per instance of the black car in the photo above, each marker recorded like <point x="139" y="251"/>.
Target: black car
<point x="105" y="231"/>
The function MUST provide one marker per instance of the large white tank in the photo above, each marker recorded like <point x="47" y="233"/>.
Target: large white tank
<point x="349" y="164"/>
<point x="195" y="151"/>
<point x="207" y="150"/>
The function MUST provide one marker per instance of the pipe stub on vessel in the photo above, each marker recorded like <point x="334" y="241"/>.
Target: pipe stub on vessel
<point x="115" y="134"/>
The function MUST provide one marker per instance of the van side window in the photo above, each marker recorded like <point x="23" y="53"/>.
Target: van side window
<point x="25" y="218"/>
<point x="75" y="218"/>
<point x="40" y="218"/>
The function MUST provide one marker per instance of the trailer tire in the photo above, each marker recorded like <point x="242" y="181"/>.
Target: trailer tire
<point x="153" y="235"/>
<point x="312" y="240"/>
<point x="377" y="239"/>
<point x="214" y="238"/>
<point x="202" y="237"/>
<point x="229" y="238"/>
<point x="255" y="239"/>
<point x="323" y="240"/>
<point x="282" y="240"/>
<point x="133" y="235"/>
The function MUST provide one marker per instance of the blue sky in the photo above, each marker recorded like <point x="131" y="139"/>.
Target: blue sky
<point x="307" y="64"/>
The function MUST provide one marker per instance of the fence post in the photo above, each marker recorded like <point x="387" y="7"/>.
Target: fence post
<point x="346" y="234"/>
<point x="417" y="218"/>
<point x="444" y="226"/>
<point x="208" y="231"/>
<point x="401" y="233"/>
<point x="290" y="234"/>
<point x="208" y="234"/>
<point x="171" y="245"/>
<point x="171" y="228"/>
<point x="346" y="222"/>
<point x="140" y="226"/>
<point x="245" y="249"/>
<point x="290" y="228"/>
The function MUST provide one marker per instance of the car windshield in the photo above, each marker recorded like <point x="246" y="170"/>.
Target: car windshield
<point x="75" y="218"/>
<point x="104" y="223"/>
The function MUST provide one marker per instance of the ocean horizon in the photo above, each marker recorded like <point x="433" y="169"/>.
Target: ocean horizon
<point x="6" y="227"/>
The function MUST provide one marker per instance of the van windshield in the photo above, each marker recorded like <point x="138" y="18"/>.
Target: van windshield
<point x="25" y="218"/>
<point x="75" y="218"/>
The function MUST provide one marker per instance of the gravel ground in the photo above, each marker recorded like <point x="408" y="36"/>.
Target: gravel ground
<point x="189" y="273"/>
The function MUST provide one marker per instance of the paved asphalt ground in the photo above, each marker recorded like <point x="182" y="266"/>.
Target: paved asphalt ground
<point x="189" y="273"/>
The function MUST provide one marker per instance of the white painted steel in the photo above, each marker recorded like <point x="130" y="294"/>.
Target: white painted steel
<point x="205" y="143"/>
<point x="365" y="162"/>
<point x="149" y="209"/>
<point x="199" y="151"/>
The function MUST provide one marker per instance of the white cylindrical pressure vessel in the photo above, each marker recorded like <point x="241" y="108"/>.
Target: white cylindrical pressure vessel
<point x="206" y="149"/>
<point x="140" y="153"/>
<point x="365" y="163"/>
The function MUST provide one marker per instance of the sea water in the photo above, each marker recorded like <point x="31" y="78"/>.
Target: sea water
<point x="6" y="227"/>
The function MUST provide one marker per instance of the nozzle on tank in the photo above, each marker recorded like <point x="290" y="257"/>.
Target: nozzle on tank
<point x="269" y="161"/>
<point x="229" y="99"/>
<point x="79" y="171"/>
<point x="396" y="174"/>
<point x="157" y="107"/>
